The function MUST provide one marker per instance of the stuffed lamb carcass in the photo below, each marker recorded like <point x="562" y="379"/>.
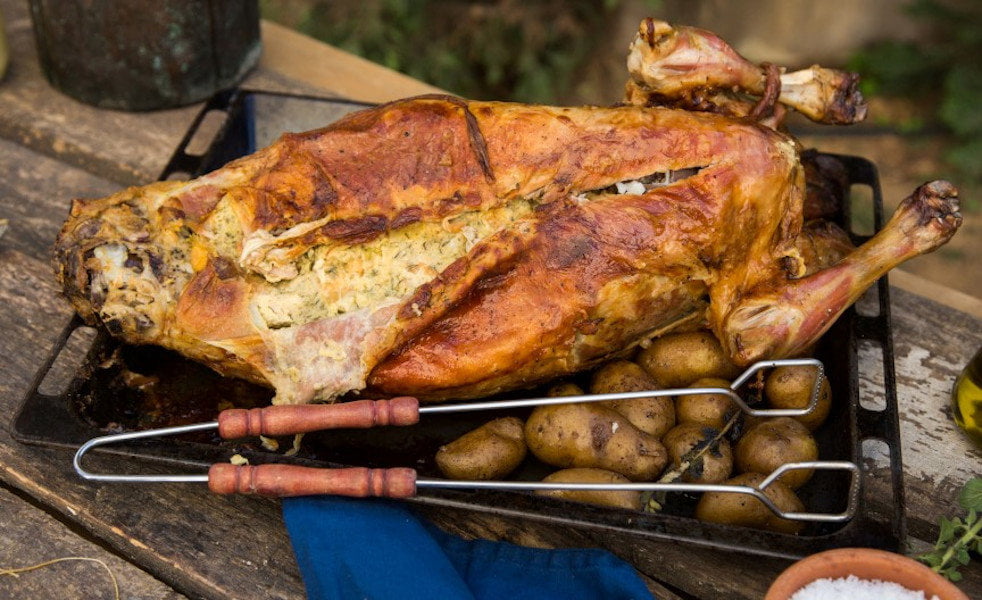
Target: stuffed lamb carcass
<point x="441" y="248"/>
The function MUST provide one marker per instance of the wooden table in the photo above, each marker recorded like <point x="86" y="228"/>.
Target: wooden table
<point x="173" y="541"/>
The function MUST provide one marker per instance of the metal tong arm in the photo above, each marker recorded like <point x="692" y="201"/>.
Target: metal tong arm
<point x="289" y="480"/>
<point x="292" y="419"/>
<point x="729" y="392"/>
<point x="757" y="492"/>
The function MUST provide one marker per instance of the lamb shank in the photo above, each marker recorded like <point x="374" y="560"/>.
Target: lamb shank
<point x="446" y="248"/>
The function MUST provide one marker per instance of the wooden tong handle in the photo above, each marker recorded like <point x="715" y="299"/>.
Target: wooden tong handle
<point x="289" y="480"/>
<point x="302" y="418"/>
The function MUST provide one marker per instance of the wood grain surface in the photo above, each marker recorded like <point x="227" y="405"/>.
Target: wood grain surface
<point x="183" y="540"/>
<point x="31" y="537"/>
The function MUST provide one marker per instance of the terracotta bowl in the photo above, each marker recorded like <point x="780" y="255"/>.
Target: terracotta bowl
<point x="864" y="563"/>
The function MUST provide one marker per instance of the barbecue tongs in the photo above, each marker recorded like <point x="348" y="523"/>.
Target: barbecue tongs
<point x="282" y="480"/>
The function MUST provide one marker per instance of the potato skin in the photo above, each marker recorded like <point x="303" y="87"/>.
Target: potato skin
<point x="588" y="435"/>
<point x="615" y="498"/>
<point x="774" y="442"/>
<point x="491" y="451"/>
<point x="654" y="416"/>
<point x="678" y="359"/>
<point x="733" y="508"/>
<point x="791" y="387"/>
<point x="746" y="511"/>
<point x="711" y="410"/>
<point x="787" y="500"/>
<point x="566" y="388"/>
<point x="714" y="466"/>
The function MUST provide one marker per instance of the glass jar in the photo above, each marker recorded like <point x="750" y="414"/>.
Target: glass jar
<point x="966" y="399"/>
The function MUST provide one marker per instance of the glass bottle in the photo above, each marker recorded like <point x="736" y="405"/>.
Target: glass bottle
<point x="966" y="399"/>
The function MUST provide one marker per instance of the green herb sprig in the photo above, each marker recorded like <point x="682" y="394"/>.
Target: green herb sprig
<point x="958" y="537"/>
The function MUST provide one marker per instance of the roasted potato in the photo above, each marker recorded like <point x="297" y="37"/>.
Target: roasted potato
<point x="566" y="388"/>
<point x="711" y="410"/>
<point x="588" y="435"/>
<point x="732" y="508"/>
<point x="491" y="451"/>
<point x="678" y="359"/>
<point x="714" y="464"/>
<point x="786" y="500"/>
<point x="616" y="498"/>
<point x="654" y="415"/>
<point x="791" y="387"/>
<point x="774" y="442"/>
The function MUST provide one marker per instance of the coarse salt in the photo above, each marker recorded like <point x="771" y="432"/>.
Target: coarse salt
<point x="854" y="588"/>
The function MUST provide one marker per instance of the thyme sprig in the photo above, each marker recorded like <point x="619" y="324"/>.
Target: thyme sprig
<point x="958" y="538"/>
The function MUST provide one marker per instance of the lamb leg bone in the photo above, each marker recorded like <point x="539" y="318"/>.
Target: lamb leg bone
<point x="779" y="320"/>
<point x="675" y="61"/>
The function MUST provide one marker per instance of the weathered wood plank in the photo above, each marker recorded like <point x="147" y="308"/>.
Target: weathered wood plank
<point x="35" y="195"/>
<point x="31" y="537"/>
<point x="958" y="300"/>
<point x="931" y="346"/>
<point x="304" y="59"/>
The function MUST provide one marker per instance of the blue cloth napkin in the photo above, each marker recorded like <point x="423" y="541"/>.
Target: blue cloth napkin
<point x="378" y="549"/>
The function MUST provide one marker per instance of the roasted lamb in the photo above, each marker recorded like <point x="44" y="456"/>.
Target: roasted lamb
<point x="441" y="247"/>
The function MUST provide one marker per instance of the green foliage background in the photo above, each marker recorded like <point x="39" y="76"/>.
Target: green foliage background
<point x="538" y="51"/>
<point x="945" y="73"/>
<point x="527" y="51"/>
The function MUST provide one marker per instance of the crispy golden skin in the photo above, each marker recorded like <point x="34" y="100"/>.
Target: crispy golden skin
<point x="571" y="272"/>
<point x="444" y="248"/>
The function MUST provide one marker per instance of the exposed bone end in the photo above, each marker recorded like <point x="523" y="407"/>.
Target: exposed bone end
<point x="928" y="217"/>
<point x="669" y="60"/>
<point x="655" y="41"/>
<point x="848" y="105"/>
<point x="653" y="32"/>
<point x="824" y="95"/>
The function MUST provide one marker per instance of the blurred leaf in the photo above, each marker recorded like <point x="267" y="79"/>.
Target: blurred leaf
<point x="962" y="557"/>
<point x="946" y="69"/>
<point x="957" y="538"/>
<point x="965" y="157"/>
<point x="893" y="68"/>
<point x="962" y="92"/>
<point x="947" y="532"/>
<point x="523" y="50"/>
